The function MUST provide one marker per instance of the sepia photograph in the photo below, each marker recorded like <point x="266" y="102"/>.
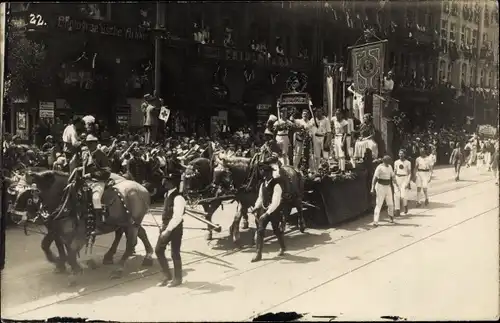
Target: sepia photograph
<point x="213" y="161"/>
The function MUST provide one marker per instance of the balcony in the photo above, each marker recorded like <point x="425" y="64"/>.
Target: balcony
<point x="221" y="53"/>
<point x="466" y="50"/>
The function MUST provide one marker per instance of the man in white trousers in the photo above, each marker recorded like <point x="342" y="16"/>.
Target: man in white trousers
<point x="299" y="136"/>
<point x="341" y="128"/>
<point x="422" y="176"/>
<point x="318" y="133"/>
<point x="282" y="126"/>
<point x="402" y="170"/>
<point x="381" y="186"/>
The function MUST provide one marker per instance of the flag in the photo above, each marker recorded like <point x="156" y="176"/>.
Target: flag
<point x="164" y="114"/>
<point x="368" y="65"/>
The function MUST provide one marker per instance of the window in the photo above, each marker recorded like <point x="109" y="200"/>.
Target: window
<point x="442" y="67"/>
<point x="463" y="76"/>
<point x="444" y="29"/>
<point x="485" y="37"/>
<point x="474" y="37"/>
<point x="463" y="34"/>
<point x="453" y="30"/>
<point x="472" y="73"/>
<point x="490" y="79"/>
<point x="482" y="79"/>
<point x="468" y="34"/>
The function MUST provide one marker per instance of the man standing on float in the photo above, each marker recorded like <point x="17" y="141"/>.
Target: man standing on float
<point x="299" y="136"/>
<point x="282" y="127"/>
<point x="320" y="127"/>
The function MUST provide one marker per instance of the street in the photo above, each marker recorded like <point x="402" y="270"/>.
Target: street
<point x="439" y="262"/>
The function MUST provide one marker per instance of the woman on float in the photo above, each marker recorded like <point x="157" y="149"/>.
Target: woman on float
<point x="366" y="138"/>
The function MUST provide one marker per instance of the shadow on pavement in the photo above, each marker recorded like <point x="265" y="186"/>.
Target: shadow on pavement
<point x="297" y="242"/>
<point x="205" y="287"/>
<point x="226" y="243"/>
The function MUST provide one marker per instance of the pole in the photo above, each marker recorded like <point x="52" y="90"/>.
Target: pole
<point x="158" y="50"/>
<point x="3" y="35"/>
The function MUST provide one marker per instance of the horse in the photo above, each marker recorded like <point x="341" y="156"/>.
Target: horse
<point x="240" y="175"/>
<point x="127" y="201"/>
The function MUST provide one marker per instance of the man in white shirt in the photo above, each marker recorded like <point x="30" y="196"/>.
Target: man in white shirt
<point x="282" y="126"/>
<point x="381" y="185"/>
<point x="341" y="128"/>
<point x="348" y="139"/>
<point x="269" y="203"/>
<point x="71" y="142"/>
<point x="402" y="169"/>
<point x="299" y="136"/>
<point x="171" y="232"/>
<point x="422" y="176"/>
<point x="320" y="127"/>
<point x="358" y="103"/>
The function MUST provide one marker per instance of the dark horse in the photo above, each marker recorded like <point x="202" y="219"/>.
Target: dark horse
<point x="240" y="176"/>
<point x="67" y="206"/>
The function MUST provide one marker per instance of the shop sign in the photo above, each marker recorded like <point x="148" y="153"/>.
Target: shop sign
<point x="294" y="99"/>
<point x="67" y="23"/>
<point x="229" y="54"/>
<point x="263" y="112"/>
<point x="46" y="109"/>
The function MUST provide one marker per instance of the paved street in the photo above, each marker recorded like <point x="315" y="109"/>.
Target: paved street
<point x="439" y="262"/>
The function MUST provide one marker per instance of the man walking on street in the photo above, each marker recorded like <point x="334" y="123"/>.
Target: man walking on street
<point x="422" y="176"/>
<point x="402" y="168"/>
<point x="381" y="186"/>
<point x="457" y="159"/>
<point x="171" y="232"/>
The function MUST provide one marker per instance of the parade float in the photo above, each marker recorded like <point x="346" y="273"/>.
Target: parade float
<point x="341" y="196"/>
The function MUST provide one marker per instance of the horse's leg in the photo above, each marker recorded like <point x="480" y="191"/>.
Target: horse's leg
<point x="76" y="269"/>
<point x="261" y="230"/>
<point x="45" y="245"/>
<point x="284" y="214"/>
<point x="242" y="211"/>
<point x="275" y="223"/>
<point x="244" y="215"/>
<point x="301" y="223"/>
<point x="108" y="257"/>
<point x="148" y="258"/>
<point x="210" y="210"/>
<point x="131" y="234"/>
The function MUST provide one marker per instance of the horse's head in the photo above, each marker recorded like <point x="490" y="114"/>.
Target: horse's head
<point x="196" y="175"/>
<point x="49" y="185"/>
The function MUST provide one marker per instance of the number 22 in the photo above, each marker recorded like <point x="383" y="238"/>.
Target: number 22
<point x="36" y="20"/>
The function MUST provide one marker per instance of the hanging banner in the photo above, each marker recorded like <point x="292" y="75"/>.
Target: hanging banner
<point x="487" y="130"/>
<point x="368" y="65"/>
<point x="329" y="93"/>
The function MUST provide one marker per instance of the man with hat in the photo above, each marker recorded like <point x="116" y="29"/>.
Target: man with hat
<point x="402" y="168"/>
<point x="97" y="170"/>
<point x="381" y="186"/>
<point x="171" y="231"/>
<point x="150" y="112"/>
<point x="269" y="203"/>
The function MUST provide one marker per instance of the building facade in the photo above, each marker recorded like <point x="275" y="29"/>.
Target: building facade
<point x="468" y="33"/>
